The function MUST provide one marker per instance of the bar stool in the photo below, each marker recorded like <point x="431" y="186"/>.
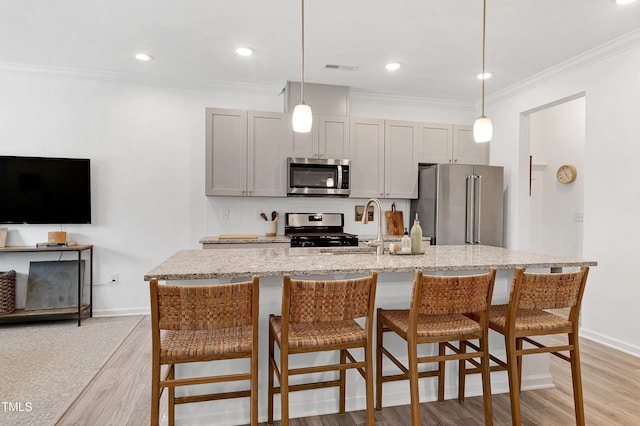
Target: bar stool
<point x="525" y="317"/>
<point x="437" y="315"/>
<point x="320" y="316"/>
<point x="198" y="324"/>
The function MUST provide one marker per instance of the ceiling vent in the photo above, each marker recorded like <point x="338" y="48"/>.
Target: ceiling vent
<point x="340" y="67"/>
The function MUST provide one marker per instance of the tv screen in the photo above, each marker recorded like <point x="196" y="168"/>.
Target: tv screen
<point x="45" y="190"/>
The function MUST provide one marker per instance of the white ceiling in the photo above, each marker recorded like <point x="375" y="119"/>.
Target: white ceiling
<point x="438" y="42"/>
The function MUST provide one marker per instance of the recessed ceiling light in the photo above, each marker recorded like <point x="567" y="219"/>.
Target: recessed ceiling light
<point x="392" y="66"/>
<point x="484" y="76"/>
<point x="625" y="1"/>
<point x="244" y="51"/>
<point x="144" y="57"/>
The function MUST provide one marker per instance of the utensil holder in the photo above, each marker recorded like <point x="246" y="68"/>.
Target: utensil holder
<point x="272" y="226"/>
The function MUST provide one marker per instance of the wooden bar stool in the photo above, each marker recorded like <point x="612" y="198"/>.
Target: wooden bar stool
<point x="525" y="317"/>
<point x="320" y="316"/>
<point x="198" y="324"/>
<point x="437" y="315"/>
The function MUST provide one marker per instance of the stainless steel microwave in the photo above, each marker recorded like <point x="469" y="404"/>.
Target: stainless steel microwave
<point x="317" y="176"/>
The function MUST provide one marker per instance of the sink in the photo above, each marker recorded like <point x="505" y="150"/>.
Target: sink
<point x="348" y="250"/>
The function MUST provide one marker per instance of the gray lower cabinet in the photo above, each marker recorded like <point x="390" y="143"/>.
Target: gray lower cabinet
<point x="244" y="153"/>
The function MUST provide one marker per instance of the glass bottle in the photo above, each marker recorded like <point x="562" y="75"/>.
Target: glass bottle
<point x="416" y="237"/>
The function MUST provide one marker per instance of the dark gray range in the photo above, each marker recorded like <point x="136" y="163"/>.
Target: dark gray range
<point x="318" y="230"/>
<point x="461" y="204"/>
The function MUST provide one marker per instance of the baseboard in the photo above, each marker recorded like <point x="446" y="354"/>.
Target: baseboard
<point x="120" y="312"/>
<point x="610" y="342"/>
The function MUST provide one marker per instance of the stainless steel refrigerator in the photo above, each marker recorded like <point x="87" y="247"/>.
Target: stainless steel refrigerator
<point x="460" y="204"/>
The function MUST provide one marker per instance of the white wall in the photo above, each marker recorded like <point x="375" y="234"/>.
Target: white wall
<point x="611" y="198"/>
<point x="146" y="145"/>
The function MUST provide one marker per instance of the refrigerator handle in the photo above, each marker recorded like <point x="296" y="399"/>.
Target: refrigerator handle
<point x="468" y="235"/>
<point x="478" y="209"/>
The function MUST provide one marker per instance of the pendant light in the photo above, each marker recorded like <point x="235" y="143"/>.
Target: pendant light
<point x="482" y="128"/>
<point x="302" y="117"/>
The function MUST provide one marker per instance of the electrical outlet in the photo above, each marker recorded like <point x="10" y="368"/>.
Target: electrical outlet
<point x="578" y="217"/>
<point x="224" y="213"/>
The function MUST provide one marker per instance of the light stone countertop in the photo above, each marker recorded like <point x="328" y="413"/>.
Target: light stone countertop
<point x="234" y="263"/>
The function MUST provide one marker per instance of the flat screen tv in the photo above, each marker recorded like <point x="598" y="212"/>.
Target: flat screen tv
<point x="45" y="190"/>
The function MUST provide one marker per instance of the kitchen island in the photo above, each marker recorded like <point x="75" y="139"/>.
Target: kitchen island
<point x="393" y="291"/>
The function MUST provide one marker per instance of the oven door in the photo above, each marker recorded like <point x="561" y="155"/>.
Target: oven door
<point x="311" y="176"/>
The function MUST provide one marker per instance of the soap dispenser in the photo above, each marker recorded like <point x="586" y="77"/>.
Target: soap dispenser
<point x="405" y="243"/>
<point x="416" y="237"/>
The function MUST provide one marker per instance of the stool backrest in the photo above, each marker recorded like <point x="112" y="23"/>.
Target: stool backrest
<point x="446" y="295"/>
<point x="548" y="291"/>
<point x="206" y="307"/>
<point x="326" y="301"/>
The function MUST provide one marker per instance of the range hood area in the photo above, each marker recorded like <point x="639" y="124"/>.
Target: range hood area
<point x="322" y="98"/>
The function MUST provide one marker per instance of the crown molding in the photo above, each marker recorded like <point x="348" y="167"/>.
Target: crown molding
<point x="410" y="100"/>
<point x="590" y="57"/>
<point x="40" y="71"/>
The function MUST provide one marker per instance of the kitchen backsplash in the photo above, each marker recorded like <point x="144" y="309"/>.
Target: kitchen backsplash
<point x="241" y="215"/>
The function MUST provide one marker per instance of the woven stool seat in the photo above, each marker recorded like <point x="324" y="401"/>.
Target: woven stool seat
<point x="434" y="325"/>
<point x="204" y="343"/>
<point x="443" y="309"/>
<point x="528" y="319"/>
<point x="317" y="334"/>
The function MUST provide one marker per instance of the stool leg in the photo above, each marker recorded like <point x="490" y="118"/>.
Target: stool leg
<point x="519" y="344"/>
<point x="413" y="382"/>
<point x="172" y="396"/>
<point x="270" y="378"/>
<point x="379" y="336"/>
<point x="486" y="381"/>
<point x="441" y="366"/>
<point x="155" y="395"/>
<point x="284" y="384"/>
<point x="577" y="379"/>
<point x="254" y="385"/>
<point x="514" y="382"/>
<point x="368" y="354"/>
<point x="343" y="381"/>
<point x="462" y="371"/>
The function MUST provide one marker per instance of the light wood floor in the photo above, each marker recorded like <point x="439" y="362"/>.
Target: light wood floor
<point x="120" y="393"/>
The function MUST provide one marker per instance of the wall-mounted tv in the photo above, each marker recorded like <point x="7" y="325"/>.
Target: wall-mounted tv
<point x="45" y="190"/>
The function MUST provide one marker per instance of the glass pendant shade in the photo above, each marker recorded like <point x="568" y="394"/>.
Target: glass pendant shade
<point x="482" y="130"/>
<point x="302" y="118"/>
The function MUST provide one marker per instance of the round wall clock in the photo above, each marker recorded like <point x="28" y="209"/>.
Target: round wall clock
<point x="567" y="173"/>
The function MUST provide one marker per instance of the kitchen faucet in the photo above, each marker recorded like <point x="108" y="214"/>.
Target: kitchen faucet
<point x="365" y="220"/>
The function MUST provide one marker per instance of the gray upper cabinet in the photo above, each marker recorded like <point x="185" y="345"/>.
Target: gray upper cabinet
<point x="401" y="159"/>
<point x="367" y="158"/>
<point x="329" y="138"/>
<point x="466" y="150"/>
<point x="454" y="144"/>
<point x="384" y="160"/>
<point x="244" y="153"/>
<point x="226" y="152"/>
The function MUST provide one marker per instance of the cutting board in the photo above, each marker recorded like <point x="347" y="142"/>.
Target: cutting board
<point x="238" y="237"/>
<point x="395" y="221"/>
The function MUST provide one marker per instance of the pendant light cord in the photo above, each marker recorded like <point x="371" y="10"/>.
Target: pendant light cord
<point x="302" y="79"/>
<point x="484" y="26"/>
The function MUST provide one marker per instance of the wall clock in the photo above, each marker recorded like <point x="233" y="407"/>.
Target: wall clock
<point x="567" y="173"/>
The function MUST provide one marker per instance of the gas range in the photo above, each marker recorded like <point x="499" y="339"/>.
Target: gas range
<point x="318" y="230"/>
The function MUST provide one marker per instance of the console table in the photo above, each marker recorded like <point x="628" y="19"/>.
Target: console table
<point x="41" y="314"/>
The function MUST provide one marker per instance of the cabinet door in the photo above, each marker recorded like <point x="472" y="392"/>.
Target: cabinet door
<point x="436" y="143"/>
<point x="367" y="157"/>
<point x="401" y="159"/>
<point x="226" y="152"/>
<point x="465" y="149"/>
<point x="304" y="145"/>
<point x="333" y="136"/>
<point x="266" y="165"/>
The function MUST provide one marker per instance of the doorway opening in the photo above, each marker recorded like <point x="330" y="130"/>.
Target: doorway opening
<point x="556" y="209"/>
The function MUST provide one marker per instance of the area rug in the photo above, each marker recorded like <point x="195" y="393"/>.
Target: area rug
<point x="45" y="366"/>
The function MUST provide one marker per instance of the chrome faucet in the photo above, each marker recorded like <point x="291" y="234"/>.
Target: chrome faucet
<point x="365" y="220"/>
